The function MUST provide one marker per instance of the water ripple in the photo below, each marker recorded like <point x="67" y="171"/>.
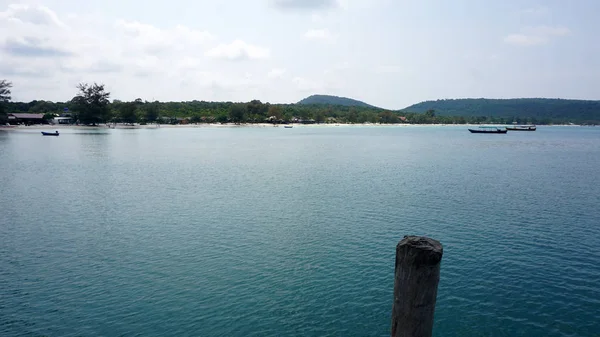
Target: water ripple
<point x="227" y="232"/>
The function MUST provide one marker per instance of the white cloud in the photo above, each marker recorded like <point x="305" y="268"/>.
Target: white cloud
<point x="118" y="53"/>
<point x="238" y="50"/>
<point x="28" y="46"/>
<point x="33" y="32"/>
<point x="534" y="36"/>
<point x="318" y="34"/>
<point x="309" y="6"/>
<point x="36" y="15"/>
<point x="155" y="56"/>
<point x="125" y="45"/>
<point x="19" y="69"/>
<point x="155" y="40"/>
<point x="276" y="73"/>
<point x="304" y="4"/>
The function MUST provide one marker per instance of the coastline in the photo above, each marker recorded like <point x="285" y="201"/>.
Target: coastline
<point x="232" y="125"/>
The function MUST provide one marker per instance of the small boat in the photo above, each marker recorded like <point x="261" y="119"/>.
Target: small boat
<point x="521" y="128"/>
<point x="288" y="126"/>
<point x="488" y="129"/>
<point x="49" y="133"/>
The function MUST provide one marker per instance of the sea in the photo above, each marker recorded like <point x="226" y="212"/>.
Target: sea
<point x="272" y="231"/>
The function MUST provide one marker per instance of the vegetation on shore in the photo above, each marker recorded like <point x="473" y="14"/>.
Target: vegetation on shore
<point x="535" y="110"/>
<point x="92" y="105"/>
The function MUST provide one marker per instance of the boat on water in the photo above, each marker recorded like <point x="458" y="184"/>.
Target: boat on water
<point x="488" y="129"/>
<point x="521" y="128"/>
<point x="288" y="126"/>
<point x="49" y="133"/>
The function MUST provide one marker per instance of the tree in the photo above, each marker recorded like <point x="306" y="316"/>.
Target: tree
<point x="256" y="108"/>
<point x="352" y="115"/>
<point x="41" y="107"/>
<point x="127" y="112"/>
<point x="5" y="90"/>
<point x="237" y="113"/>
<point x="151" y="111"/>
<point x="221" y="119"/>
<point x="387" y="117"/>
<point x="304" y="114"/>
<point x="4" y="97"/>
<point x="275" y="111"/>
<point x="92" y="103"/>
<point x="367" y="116"/>
<point x="320" y="116"/>
<point x="537" y="111"/>
<point x="196" y="118"/>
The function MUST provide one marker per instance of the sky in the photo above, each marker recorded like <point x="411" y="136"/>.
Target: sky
<point x="389" y="53"/>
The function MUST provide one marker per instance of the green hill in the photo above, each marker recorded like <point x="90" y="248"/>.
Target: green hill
<point x="331" y="109"/>
<point x="539" y="108"/>
<point x="333" y="100"/>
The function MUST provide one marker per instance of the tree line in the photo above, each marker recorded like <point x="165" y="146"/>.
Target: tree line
<point x="536" y="110"/>
<point x="91" y="106"/>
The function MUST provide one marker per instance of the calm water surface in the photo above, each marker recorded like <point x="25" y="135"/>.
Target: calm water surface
<point x="292" y="232"/>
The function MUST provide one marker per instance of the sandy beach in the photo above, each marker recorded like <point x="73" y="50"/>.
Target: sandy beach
<point x="52" y="127"/>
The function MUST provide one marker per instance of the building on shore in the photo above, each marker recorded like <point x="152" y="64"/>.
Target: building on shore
<point x="62" y="120"/>
<point x="26" y="119"/>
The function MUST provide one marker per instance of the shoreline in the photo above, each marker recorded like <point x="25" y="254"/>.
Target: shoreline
<point x="232" y="125"/>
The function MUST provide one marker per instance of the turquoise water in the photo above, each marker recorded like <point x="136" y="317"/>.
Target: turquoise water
<point x="292" y="232"/>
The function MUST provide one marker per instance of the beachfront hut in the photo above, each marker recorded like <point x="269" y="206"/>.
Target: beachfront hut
<point x="62" y="120"/>
<point x="26" y="118"/>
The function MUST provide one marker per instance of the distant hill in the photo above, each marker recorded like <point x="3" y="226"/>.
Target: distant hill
<point x="334" y="100"/>
<point x="539" y="108"/>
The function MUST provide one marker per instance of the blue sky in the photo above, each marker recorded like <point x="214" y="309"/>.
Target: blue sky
<point x="390" y="53"/>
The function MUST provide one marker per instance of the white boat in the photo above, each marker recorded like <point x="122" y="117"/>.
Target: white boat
<point x="521" y="128"/>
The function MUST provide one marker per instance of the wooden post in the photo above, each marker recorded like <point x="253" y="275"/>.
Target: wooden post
<point x="416" y="280"/>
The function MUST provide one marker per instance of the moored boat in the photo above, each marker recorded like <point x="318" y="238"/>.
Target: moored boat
<point x="521" y="128"/>
<point x="488" y="129"/>
<point x="49" y="133"/>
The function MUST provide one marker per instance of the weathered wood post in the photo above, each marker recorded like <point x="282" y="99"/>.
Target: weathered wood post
<point x="415" y="286"/>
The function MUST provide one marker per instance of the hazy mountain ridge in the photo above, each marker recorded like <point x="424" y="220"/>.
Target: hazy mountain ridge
<point x="334" y="100"/>
<point x="555" y="108"/>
